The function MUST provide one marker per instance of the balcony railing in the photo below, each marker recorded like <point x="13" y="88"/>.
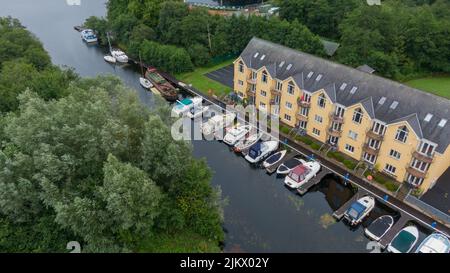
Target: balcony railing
<point x="335" y="133"/>
<point x="301" y="117"/>
<point x="251" y="80"/>
<point x="415" y="172"/>
<point x="274" y="91"/>
<point x="334" y="117"/>
<point x="304" y="104"/>
<point x="374" y="135"/>
<point x="422" y="157"/>
<point x="370" y="150"/>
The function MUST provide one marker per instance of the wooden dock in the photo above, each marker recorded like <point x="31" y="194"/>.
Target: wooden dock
<point x="314" y="181"/>
<point x="339" y="213"/>
<point x="274" y="167"/>
<point x="387" y="238"/>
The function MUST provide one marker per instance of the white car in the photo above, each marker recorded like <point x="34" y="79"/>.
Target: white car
<point x="235" y="134"/>
<point x="302" y="174"/>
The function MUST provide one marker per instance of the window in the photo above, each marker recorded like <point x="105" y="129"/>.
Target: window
<point x="336" y="126"/>
<point x="241" y="67"/>
<point x="287" y="117"/>
<point x="374" y="144"/>
<point x="289" y="66"/>
<point x="304" y="111"/>
<point x="382" y="100"/>
<point x="427" y="148"/>
<point x="290" y="89"/>
<point x="321" y="101"/>
<point x="240" y="94"/>
<point x="310" y="74"/>
<point x="262" y="105"/>
<point x="306" y="97"/>
<point x="318" y="77"/>
<point x="316" y="132"/>
<point x="277" y="100"/>
<point x="394" y="154"/>
<point x="414" y="180"/>
<point x="402" y="134"/>
<point x="349" y="148"/>
<point x="262" y="57"/>
<point x="353" y="90"/>
<point x="390" y="169"/>
<point x="253" y="88"/>
<point x="279" y="86"/>
<point x="378" y="128"/>
<point x="428" y="117"/>
<point x="302" y="124"/>
<point x="442" y="122"/>
<point x="264" y="77"/>
<point x="339" y="111"/>
<point x="394" y="105"/>
<point x="318" y="118"/>
<point x="256" y="55"/>
<point x="420" y="165"/>
<point x="333" y="140"/>
<point x="352" y="135"/>
<point x="288" y="105"/>
<point x="369" y="158"/>
<point x="240" y="82"/>
<point x="343" y="86"/>
<point x="263" y="93"/>
<point x="254" y="75"/>
<point x="357" y="115"/>
<point x="281" y="64"/>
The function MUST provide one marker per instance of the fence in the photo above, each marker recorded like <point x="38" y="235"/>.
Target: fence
<point x="428" y="209"/>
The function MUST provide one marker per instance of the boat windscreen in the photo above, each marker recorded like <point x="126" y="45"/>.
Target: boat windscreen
<point x="255" y="150"/>
<point x="403" y="241"/>
<point x="380" y="226"/>
<point x="356" y="210"/>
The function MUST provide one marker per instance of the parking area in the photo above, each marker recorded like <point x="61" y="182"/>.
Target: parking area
<point x="223" y="75"/>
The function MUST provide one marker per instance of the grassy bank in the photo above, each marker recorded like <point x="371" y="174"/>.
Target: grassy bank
<point x="199" y="80"/>
<point x="438" y="85"/>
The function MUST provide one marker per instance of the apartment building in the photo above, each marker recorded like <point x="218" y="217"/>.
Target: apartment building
<point x="399" y="130"/>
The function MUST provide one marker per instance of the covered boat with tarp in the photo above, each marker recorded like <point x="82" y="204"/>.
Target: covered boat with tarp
<point x="379" y="227"/>
<point x="404" y="241"/>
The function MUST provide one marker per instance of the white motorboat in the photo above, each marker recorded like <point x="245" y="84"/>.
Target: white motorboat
<point x="289" y="165"/>
<point x="261" y="150"/>
<point x="404" y="241"/>
<point x="197" y="111"/>
<point x="109" y="59"/>
<point x="120" y="56"/>
<point x="183" y="106"/>
<point x="247" y="142"/>
<point x="379" y="227"/>
<point x="359" y="210"/>
<point x="274" y="159"/>
<point x="217" y="122"/>
<point x="89" y="36"/>
<point x="302" y="174"/>
<point x="145" y="83"/>
<point x="235" y="134"/>
<point x="435" y="243"/>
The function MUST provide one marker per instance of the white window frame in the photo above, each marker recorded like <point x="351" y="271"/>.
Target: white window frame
<point x="399" y="131"/>
<point x="390" y="169"/>
<point x="356" y="114"/>
<point x="316" y="131"/>
<point x="349" y="148"/>
<point x="395" y="154"/>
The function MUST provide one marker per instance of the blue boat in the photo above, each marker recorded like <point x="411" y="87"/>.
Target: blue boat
<point x="89" y="36"/>
<point x="359" y="209"/>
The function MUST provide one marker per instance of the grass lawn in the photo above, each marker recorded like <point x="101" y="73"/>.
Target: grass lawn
<point x="439" y="85"/>
<point x="198" y="79"/>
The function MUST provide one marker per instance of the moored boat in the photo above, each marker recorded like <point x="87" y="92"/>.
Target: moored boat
<point x="161" y="84"/>
<point x="120" y="56"/>
<point x="302" y="174"/>
<point x="434" y="243"/>
<point x="89" y="36"/>
<point x="235" y="134"/>
<point x="289" y="165"/>
<point x="145" y="83"/>
<point x="247" y="142"/>
<point x="197" y="111"/>
<point x="359" y="210"/>
<point x="404" y="241"/>
<point x="274" y="159"/>
<point x="379" y="227"/>
<point x="183" y="106"/>
<point x="261" y="150"/>
<point x="217" y="122"/>
<point x="109" y="59"/>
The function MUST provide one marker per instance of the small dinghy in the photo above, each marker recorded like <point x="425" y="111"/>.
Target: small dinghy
<point x="120" y="56"/>
<point x="359" y="210"/>
<point x="235" y="134"/>
<point x="435" y="243"/>
<point x="145" y="83"/>
<point x="379" y="227"/>
<point x="247" y="142"/>
<point x="261" y="150"/>
<point x="110" y="59"/>
<point x="274" y="159"/>
<point x="289" y="165"/>
<point x="404" y="241"/>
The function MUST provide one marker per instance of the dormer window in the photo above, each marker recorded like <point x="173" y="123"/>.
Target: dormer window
<point x="321" y="101"/>
<point x="241" y="67"/>
<point x="357" y="115"/>
<point x="264" y="77"/>
<point x="427" y="148"/>
<point x="290" y="88"/>
<point x="402" y="134"/>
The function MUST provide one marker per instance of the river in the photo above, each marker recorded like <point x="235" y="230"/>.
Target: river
<point x="261" y="215"/>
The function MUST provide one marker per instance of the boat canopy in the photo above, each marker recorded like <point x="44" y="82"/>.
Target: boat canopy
<point x="255" y="150"/>
<point x="403" y="241"/>
<point x="356" y="210"/>
<point x="186" y="101"/>
<point x="298" y="173"/>
<point x="274" y="158"/>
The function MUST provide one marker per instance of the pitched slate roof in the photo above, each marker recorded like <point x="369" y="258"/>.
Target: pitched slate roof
<point x="400" y="101"/>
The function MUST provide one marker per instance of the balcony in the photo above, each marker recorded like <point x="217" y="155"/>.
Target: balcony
<point x="274" y="91"/>
<point x="301" y="117"/>
<point x="334" y="133"/>
<point x="304" y="104"/>
<point x="415" y="172"/>
<point x="422" y="157"/>
<point x="370" y="150"/>
<point x="251" y="80"/>
<point x="251" y="93"/>
<point x="336" y="118"/>
<point x="371" y="134"/>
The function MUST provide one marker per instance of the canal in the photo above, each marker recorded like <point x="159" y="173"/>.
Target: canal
<point x="261" y="215"/>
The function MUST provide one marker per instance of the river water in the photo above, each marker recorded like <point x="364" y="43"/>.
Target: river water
<point x="261" y="215"/>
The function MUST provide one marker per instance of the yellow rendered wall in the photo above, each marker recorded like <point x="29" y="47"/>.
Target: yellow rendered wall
<point x="439" y="165"/>
<point x="240" y="76"/>
<point x="286" y="97"/>
<point x="323" y="112"/>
